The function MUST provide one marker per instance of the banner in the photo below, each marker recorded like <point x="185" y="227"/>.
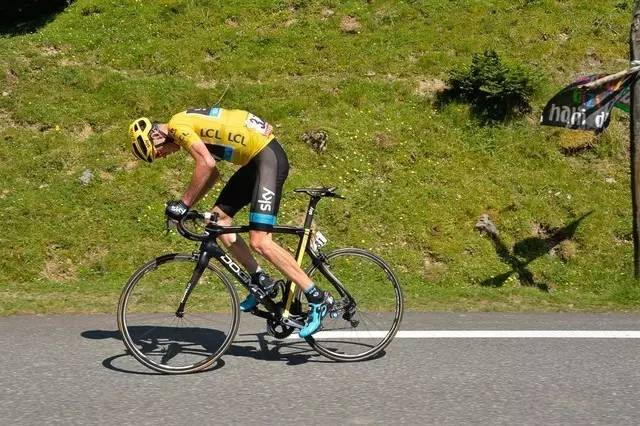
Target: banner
<point x="586" y="104"/>
<point x="624" y="103"/>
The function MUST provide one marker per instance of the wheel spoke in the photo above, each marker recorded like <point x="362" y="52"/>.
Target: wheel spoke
<point x="164" y="341"/>
<point x="370" y="283"/>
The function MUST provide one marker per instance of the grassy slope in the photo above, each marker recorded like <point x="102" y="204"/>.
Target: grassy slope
<point x="73" y="86"/>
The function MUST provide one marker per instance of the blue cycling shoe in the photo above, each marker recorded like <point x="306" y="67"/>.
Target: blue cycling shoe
<point x="249" y="303"/>
<point x="263" y="285"/>
<point x="317" y="312"/>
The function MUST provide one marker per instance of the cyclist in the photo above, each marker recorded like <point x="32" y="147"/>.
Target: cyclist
<point x="237" y="136"/>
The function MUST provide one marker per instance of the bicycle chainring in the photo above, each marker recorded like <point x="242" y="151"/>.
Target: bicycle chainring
<point x="278" y="330"/>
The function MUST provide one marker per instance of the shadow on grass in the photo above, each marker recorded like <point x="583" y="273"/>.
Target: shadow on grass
<point x="23" y="17"/>
<point x="486" y="112"/>
<point x="525" y="252"/>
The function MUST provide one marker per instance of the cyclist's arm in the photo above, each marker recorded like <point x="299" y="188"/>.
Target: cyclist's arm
<point x="204" y="176"/>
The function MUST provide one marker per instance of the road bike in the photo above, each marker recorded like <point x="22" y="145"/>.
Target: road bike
<point x="179" y="312"/>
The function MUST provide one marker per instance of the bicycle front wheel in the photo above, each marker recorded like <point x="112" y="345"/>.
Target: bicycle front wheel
<point x="173" y="327"/>
<point x="368" y="307"/>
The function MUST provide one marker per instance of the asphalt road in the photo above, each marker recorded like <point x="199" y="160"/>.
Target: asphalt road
<point x="73" y="370"/>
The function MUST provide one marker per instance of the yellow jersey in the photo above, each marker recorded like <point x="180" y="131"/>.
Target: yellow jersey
<point x="230" y="134"/>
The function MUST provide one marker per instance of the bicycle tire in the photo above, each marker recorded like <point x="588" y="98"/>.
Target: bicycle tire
<point x="339" y="336"/>
<point x="157" y="336"/>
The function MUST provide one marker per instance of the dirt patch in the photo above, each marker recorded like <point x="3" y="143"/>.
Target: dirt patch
<point x="207" y="84"/>
<point x="541" y="230"/>
<point x="11" y="77"/>
<point x="232" y="21"/>
<point x="57" y="267"/>
<point x="96" y="253"/>
<point x="174" y="180"/>
<point x="566" y="250"/>
<point x="105" y="176"/>
<point x="6" y="122"/>
<point x="592" y="63"/>
<point x="430" y="87"/>
<point x="572" y="142"/>
<point x="130" y="165"/>
<point x="383" y="141"/>
<point x="50" y="51"/>
<point x="557" y="243"/>
<point x="350" y="25"/>
<point x="622" y="239"/>
<point x="65" y="62"/>
<point x="326" y="12"/>
<point x="433" y="269"/>
<point x="84" y="131"/>
<point x="211" y="56"/>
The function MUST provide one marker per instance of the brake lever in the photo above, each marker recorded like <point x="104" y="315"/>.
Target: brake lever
<point x="169" y="224"/>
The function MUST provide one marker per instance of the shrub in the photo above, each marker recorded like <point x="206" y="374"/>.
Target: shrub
<point x="495" y="90"/>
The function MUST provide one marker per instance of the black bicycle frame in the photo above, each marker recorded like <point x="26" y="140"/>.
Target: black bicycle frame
<point x="210" y="248"/>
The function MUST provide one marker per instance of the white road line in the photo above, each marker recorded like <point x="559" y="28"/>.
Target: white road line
<point x="481" y="334"/>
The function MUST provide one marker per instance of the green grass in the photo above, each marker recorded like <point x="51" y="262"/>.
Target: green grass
<point x="417" y="177"/>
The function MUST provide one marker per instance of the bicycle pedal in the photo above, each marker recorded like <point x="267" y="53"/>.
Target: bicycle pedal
<point x="292" y="323"/>
<point x="257" y="292"/>
<point x="262" y="293"/>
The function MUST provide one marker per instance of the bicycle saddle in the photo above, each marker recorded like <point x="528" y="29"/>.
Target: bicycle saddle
<point x="320" y="192"/>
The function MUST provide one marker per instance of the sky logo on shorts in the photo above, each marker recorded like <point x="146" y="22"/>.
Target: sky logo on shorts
<point x="266" y="198"/>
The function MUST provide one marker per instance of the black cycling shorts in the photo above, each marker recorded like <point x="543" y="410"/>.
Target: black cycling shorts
<point x="259" y="182"/>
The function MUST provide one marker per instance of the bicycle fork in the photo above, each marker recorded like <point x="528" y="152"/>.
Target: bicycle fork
<point x="203" y="261"/>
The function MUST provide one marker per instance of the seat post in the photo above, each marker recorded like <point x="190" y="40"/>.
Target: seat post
<point x="313" y="202"/>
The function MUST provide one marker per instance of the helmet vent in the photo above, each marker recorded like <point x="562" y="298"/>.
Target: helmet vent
<point x="142" y="124"/>
<point x="137" y="152"/>
<point x="142" y="145"/>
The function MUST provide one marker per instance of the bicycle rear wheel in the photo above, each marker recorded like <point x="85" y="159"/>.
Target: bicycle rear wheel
<point x="161" y="336"/>
<point x="368" y="307"/>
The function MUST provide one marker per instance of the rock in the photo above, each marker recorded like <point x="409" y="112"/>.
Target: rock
<point x="350" y="25"/>
<point x="484" y="224"/>
<point x="86" y="177"/>
<point x="316" y="139"/>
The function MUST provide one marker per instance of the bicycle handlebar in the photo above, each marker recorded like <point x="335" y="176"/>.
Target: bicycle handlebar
<point x="193" y="214"/>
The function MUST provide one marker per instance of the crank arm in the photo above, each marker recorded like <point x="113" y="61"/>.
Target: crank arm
<point x="262" y="314"/>
<point x="292" y="323"/>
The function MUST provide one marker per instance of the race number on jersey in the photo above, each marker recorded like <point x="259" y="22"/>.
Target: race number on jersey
<point x="257" y="124"/>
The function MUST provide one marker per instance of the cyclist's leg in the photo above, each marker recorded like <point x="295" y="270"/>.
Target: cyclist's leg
<point x="235" y="243"/>
<point x="234" y="196"/>
<point x="262" y="242"/>
<point x="272" y="170"/>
